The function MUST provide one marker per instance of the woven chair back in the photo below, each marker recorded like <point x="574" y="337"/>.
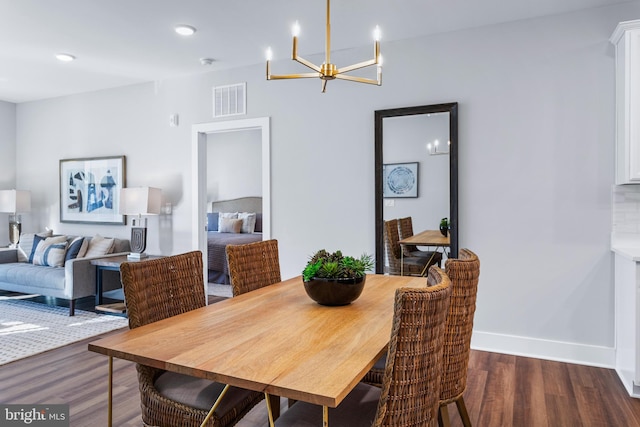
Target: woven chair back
<point x="411" y="383"/>
<point x="253" y="265"/>
<point x="392" y="247"/>
<point x="464" y="273"/>
<point x="405" y="226"/>
<point x="164" y="287"/>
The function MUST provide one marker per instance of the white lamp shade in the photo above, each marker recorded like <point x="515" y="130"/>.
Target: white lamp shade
<point x="140" y="201"/>
<point x="14" y="201"/>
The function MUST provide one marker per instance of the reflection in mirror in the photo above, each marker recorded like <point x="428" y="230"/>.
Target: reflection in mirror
<point x="416" y="170"/>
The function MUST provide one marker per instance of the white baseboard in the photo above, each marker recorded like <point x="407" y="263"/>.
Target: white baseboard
<point x="591" y="355"/>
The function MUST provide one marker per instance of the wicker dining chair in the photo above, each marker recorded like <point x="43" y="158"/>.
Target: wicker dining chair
<point x="399" y="264"/>
<point x="405" y="230"/>
<point x="412" y="376"/>
<point x="464" y="273"/>
<point x="253" y="265"/>
<point x="155" y="290"/>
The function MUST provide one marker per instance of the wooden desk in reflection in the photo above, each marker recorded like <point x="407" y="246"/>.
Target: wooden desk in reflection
<point x="432" y="238"/>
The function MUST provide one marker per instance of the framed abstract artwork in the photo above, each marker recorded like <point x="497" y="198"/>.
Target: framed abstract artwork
<point x="400" y="180"/>
<point x="90" y="190"/>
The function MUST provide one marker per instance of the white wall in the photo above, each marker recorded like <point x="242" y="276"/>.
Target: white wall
<point x="536" y="112"/>
<point x="7" y="159"/>
<point x="234" y="165"/>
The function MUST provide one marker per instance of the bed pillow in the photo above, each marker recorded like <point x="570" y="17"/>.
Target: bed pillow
<point x="26" y="246"/>
<point x="50" y="251"/>
<point x="248" y="221"/>
<point x="212" y="221"/>
<point x="258" y="228"/>
<point x="230" y="225"/>
<point x="225" y="215"/>
<point x="99" y="246"/>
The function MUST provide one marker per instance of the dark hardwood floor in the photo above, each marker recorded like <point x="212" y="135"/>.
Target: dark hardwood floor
<point x="502" y="390"/>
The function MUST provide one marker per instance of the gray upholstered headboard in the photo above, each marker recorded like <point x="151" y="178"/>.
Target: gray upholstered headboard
<point x="241" y="204"/>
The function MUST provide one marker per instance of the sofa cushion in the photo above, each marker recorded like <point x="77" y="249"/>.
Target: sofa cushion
<point x="50" y="251"/>
<point x="77" y="248"/>
<point x="26" y="246"/>
<point x="24" y="274"/>
<point x="99" y="246"/>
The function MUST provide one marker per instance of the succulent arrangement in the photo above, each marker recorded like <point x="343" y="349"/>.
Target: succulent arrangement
<point x="324" y="264"/>
<point x="444" y="223"/>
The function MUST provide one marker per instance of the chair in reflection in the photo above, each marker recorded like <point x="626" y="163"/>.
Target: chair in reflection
<point x="158" y="289"/>
<point x="412" y="375"/>
<point x="398" y="263"/>
<point x="406" y="230"/>
<point x="253" y="265"/>
<point x="464" y="273"/>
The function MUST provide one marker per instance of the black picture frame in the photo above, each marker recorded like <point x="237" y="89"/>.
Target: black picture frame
<point x="400" y="180"/>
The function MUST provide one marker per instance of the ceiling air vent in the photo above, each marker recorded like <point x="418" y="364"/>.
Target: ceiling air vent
<point x="230" y="100"/>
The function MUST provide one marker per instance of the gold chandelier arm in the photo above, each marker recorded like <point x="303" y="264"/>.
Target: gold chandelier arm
<point x="292" y="76"/>
<point x="306" y="63"/>
<point x="360" y="79"/>
<point x="357" y="66"/>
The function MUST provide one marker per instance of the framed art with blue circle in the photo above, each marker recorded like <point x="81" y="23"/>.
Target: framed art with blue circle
<point x="400" y="180"/>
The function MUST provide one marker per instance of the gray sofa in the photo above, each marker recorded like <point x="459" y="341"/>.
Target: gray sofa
<point x="76" y="279"/>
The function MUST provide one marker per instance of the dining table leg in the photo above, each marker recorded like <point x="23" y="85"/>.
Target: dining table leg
<point x="110" y="394"/>
<point x="267" y="398"/>
<point x="325" y="416"/>
<point x="215" y="405"/>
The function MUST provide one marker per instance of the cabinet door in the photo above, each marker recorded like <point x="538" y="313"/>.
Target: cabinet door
<point x="627" y="42"/>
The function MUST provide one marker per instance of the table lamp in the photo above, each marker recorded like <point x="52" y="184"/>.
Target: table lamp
<point x="139" y="201"/>
<point x="14" y="201"/>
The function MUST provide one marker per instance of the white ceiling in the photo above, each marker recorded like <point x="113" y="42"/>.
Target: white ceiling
<point x="123" y="42"/>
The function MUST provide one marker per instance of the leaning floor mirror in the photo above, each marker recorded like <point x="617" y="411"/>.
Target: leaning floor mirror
<point x="416" y="171"/>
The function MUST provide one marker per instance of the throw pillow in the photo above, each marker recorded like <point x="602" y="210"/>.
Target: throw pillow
<point x="77" y="247"/>
<point x="50" y="251"/>
<point x="99" y="246"/>
<point x="225" y="215"/>
<point x="248" y="221"/>
<point x="230" y="225"/>
<point x="26" y="246"/>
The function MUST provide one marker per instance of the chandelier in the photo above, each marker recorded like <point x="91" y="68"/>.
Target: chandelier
<point x="328" y="71"/>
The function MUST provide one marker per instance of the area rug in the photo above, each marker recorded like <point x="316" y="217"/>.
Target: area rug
<point x="28" y="328"/>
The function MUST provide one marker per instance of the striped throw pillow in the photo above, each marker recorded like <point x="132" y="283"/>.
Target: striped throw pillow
<point x="50" y="252"/>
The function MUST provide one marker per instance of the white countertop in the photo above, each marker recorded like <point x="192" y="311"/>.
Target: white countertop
<point x="626" y="245"/>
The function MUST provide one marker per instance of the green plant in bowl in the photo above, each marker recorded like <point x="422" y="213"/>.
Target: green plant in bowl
<point x="334" y="265"/>
<point x="334" y="279"/>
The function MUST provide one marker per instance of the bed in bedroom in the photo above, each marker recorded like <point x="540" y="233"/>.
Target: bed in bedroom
<point x="231" y="222"/>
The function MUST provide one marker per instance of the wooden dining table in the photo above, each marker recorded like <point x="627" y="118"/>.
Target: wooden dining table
<point x="275" y="340"/>
<point x="433" y="238"/>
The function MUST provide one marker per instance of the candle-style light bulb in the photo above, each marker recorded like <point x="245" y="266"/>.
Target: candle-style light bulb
<point x="380" y="60"/>
<point x="436" y="142"/>
<point x="269" y="54"/>
<point x="429" y="147"/>
<point x="377" y="34"/>
<point x="295" y="30"/>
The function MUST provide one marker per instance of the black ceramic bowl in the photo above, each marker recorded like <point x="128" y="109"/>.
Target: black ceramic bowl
<point x="334" y="291"/>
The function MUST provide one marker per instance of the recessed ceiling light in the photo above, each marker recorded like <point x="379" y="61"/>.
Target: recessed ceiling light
<point x="185" y="30"/>
<point x="65" y="57"/>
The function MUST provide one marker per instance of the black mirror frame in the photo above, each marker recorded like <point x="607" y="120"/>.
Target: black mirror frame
<point x="452" y="109"/>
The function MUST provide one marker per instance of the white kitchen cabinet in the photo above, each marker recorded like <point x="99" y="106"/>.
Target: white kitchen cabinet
<point x="627" y="317"/>
<point x="626" y="39"/>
